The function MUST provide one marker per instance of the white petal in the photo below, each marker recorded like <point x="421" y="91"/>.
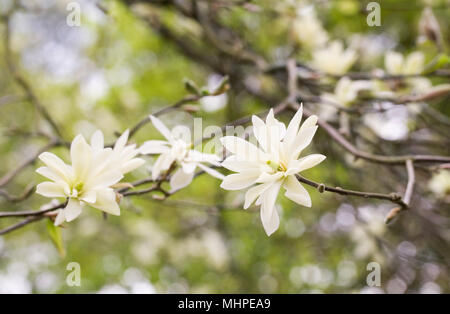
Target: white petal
<point x="162" y="128"/>
<point x="154" y="147"/>
<point x="240" y="180"/>
<point x="121" y="141"/>
<point x="60" y="218"/>
<point x="106" y="179"/>
<point x="49" y="173"/>
<point x="211" y="172"/>
<point x="242" y="149"/>
<point x="132" y="164"/>
<point x="180" y="179"/>
<point x="50" y="189"/>
<point x="296" y="192"/>
<point x="72" y="210"/>
<point x="106" y="201"/>
<point x="55" y="164"/>
<point x="97" y="141"/>
<point x="89" y="196"/>
<point x="393" y="61"/>
<point x="293" y="126"/>
<point x="189" y="167"/>
<point x="302" y="140"/>
<point x="81" y="156"/>
<point x="253" y="193"/>
<point x="269" y="215"/>
<point x="234" y="164"/>
<point x="266" y="177"/>
<point x="305" y="163"/>
<point x="161" y="164"/>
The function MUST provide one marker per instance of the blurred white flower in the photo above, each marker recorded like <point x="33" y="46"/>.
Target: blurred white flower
<point x="333" y="59"/>
<point x="217" y="102"/>
<point x="177" y="150"/>
<point x="440" y="183"/>
<point x="346" y="91"/>
<point x="87" y="181"/>
<point x="271" y="166"/>
<point x="396" y="64"/>
<point x="307" y="29"/>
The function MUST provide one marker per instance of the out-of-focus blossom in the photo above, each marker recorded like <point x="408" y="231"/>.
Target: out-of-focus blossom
<point x="397" y="64"/>
<point x="216" y="102"/>
<point x="307" y="29"/>
<point x="334" y="59"/>
<point x="179" y="151"/>
<point x="346" y="91"/>
<point x="272" y="165"/>
<point x="440" y="183"/>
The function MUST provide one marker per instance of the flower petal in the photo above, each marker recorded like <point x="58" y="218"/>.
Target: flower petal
<point x="162" y="128"/>
<point x="131" y="165"/>
<point x="97" y="141"/>
<point x="60" y="218"/>
<point x="234" y="164"/>
<point x="302" y="140"/>
<point x="81" y="156"/>
<point x="55" y="164"/>
<point x="73" y="209"/>
<point x="305" y="163"/>
<point x="50" y="189"/>
<point x="180" y="179"/>
<point x="154" y="147"/>
<point x="269" y="215"/>
<point x="121" y="141"/>
<point x="243" y="149"/>
<point x="106" y="201"/>
<point x="211" y="172"/>
<point x="161" y="164"/>
<point x="240" y="180"/>
<point x="296" y="192"/>
<point x="253" y="193"/>
<point x="294" y="125"/>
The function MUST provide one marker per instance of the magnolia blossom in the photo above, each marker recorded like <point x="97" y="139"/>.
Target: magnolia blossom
<point x="396" y="64"/>
<point x="308" y="30"/>
<point x="346" y="91"/>
<point x="333" y="59"/>
<point x="87" y="181"/>
<point x="215" y="102"/>
<point x="177" y="150"/>
<point x="272" y="165"/>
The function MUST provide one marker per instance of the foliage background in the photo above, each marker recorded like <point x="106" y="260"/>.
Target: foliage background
<point x="112" y="71"/>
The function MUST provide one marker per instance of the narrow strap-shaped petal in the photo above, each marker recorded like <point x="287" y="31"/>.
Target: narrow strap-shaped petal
<point x="162" y="128"/>
<point x="180" y="179"/>
<point x="296" y="192"/>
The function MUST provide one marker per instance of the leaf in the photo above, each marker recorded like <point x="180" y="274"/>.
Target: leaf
<point x="55" y="234"/>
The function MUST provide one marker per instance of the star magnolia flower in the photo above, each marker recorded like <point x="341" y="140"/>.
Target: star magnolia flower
<point x="272" y="165"/>
<point x="333" y="59"/>
<point x="122" y="156"/>
<point x="87" y="181"/>
<point x="179" y="151"/>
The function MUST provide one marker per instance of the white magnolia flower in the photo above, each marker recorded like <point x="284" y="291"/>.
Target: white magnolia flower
<point x="272" y="165"/>
<point x="333" y="59"/>
<point x="87" y="181"/>
<point x="307" y="29"/>
<point x="122" y="157"/>
<point x="396" y="64"/>
<point x="346" y="91"/>
<point x="177" y="150"/>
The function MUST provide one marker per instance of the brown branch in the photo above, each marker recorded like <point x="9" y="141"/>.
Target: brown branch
<point x="392" y="197"/>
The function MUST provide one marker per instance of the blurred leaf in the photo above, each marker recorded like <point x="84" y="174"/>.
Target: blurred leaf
<point x="56" y="236"/>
